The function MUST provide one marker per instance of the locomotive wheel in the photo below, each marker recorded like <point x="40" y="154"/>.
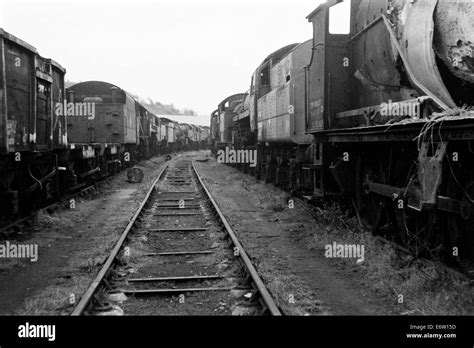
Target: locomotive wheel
<point x="369" y="206"/>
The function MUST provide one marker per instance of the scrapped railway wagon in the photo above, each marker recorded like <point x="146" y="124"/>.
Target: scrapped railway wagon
<point x="32" y="136"/>
<point x="214" y="131"/>
<point x="102" y="142"/>
<point x="154" y="138"/>
<point x="168" y="135"/>
<point x="244" y="134"/>
<point x="185" y="136"/>
<point x="277" y="112"/>
<point x="144" y="132"/>
<point x="204" y="137"/>
<point x="196" y="137"/>
<point x="225" y="124"/>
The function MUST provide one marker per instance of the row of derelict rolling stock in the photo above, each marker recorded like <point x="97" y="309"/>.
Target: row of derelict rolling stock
<point x="55" y="140"/>
<point x="376" y="107"/>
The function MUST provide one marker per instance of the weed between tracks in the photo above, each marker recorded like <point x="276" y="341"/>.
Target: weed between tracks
<point x="428" y="288"/>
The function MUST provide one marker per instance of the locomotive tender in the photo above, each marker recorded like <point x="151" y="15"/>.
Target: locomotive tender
<point x="377" y="107"/>
<point x="53" y="141"/>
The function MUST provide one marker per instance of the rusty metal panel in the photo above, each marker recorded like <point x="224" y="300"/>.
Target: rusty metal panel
<point x="430" y="171"/>
<point x="365" y="12"/>
<point x="214" y="125"/>
<point x="275" y="116"/>
<point x="44" y="107"/>
<point x="78" y="130"/>
<point x="317" y="81"/>
<point x="116" y="115"/>
<point x="143" y="123"/>
<point x="171" y="132"/>
<point x="418" y="33"/>
<point x="3" y="101"/>
<point x="454" y="37"/>
<point x="19" y="83"/>
<point x="59" y="128"/>
<point x="280" y="71"/>
<point x="130" y="125"/>
<point x="296" y="110"/>
<point x="374" y="61"/>
<point x="330" y="72"/>
<point x="226" y="113"/>
<point x="274" y="119"/>
<point x="162" y="133"/>
<point x="225" y="126"/>
<point x="106" y="127"/>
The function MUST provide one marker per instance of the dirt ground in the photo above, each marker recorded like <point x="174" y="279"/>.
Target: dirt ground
<point x="72" y="244"/>
<point x="304" y="282"/>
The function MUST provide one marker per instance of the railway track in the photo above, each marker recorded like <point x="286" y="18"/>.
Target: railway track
<point x="178" y="255"/>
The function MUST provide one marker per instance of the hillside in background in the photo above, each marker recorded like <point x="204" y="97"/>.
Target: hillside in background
<point x="154" y="106"/>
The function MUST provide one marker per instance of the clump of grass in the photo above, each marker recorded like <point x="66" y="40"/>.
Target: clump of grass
<point x="44" y="219"/>
<point x="291" y="294"/>
<point x="55" y="300"/>
<point x="427" y="287"/>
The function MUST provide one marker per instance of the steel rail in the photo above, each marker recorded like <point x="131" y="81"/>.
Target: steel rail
<point x="267" y="298"/>
<point x="85" y="299"/>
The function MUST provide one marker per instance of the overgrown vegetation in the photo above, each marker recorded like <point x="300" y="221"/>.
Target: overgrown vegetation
<point x="427" y="287"/>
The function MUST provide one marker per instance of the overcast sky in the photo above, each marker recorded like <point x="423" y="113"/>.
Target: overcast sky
<point x="192" y="53"/>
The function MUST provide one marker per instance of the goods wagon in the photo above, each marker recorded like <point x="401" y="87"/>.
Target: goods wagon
<point x="32" y="136"/>
<point x="169" y="132"/>
<point x="154" y="134"/>
<point x="204" y="137"/>
<point x="104" y="130"/>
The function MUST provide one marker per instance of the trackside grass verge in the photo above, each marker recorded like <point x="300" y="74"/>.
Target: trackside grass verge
<point x="418" y="287"/>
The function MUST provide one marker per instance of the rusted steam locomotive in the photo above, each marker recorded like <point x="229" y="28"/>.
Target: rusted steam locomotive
<point x="377" y="107"/>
